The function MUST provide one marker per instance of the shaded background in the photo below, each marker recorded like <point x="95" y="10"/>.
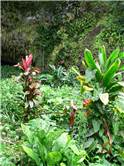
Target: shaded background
<point x="58" y="32"/>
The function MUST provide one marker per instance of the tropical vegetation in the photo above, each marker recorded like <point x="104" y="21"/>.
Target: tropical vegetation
<point x="62" y="84"/>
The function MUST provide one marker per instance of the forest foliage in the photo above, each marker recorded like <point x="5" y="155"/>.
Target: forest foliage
<point x="56" y="32"/>
<point x="64" y="117"/>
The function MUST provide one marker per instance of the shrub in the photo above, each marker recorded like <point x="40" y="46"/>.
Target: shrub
<point x="58" y="76"/>
<point x="29" y="83"/>
<point x="47" y="145"/>
<point x="102" y="87"/>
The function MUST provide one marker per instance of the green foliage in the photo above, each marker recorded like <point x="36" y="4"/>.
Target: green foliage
<point x="112" y="33"/>
<point x="59" y="31"/>
<point x="106" y="69"/>
<point x="47" y="145"/>
<point x="99" y="137"/>
<point x="71" y="38"/>
<point x="10" y="105"/>
<point x="58" y="76"/>
<point x="8" y="71"/>
<point x="98" y="120"/>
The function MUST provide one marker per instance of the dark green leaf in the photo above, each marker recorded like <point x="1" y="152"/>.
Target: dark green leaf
<point x="96" y="125"/>
<point x="113" y="56"/>
<point x="102" y="55"/>
<point x="89" y="59"/>
<point x="32" y="154"/>
<point x="110" y="72"/>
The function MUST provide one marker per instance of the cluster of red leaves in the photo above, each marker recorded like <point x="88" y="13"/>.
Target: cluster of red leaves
<point x="86" y="102"/>
<point x="26" y="63"/>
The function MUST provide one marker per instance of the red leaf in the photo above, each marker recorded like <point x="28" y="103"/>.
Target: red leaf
<point x="87" y="102"/>
<point x="29" y="60"/>
<point x="72" y="118"/>
<point x="24" y="65"/>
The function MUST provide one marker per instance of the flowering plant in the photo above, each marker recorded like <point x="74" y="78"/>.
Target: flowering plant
<point x="29" y="83"/>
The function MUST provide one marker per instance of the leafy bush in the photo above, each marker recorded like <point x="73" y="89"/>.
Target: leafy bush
<point x="48" y="145"/>
<point x="103" y="86"/>
<point x="58" y="76"/>
<point x="104" y="70"/>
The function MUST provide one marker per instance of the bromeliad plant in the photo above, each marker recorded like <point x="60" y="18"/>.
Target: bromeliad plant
<point x="29" y="83"/>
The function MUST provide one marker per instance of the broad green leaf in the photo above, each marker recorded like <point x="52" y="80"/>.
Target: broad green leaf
<point x="104" y="98"/>
<point x="74" y="148"/>
<point x="54" y="158"/>
<point x="42" y="151"/>
<point x="90" y="133"/>
<point x="63" y="164"/>
<point x="96" y="125"/>
<point x="27" y="132"/>
<point x="122" y="68"/>
<point x="98" y="72"/>
<point x="121" y="55"/>
<point x="88" y="143"/>
<point x="113" y="56"/>
<point x="32" y="154"/>
<point x="89" y="59"/>
<point x="61" y="141"/>
<point x="110" y="72"/>
<point x="102" y="55"/>
<point x="115" y="88"/>
<point x="90" y="74"/>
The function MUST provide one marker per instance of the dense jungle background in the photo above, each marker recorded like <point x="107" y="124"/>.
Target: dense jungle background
<point x="57" y="32"/>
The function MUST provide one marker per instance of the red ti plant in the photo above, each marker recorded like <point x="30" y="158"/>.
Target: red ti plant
<point x="29" y="83"/>
<point x="72" y="114"/>
<point x="87" y="102"/>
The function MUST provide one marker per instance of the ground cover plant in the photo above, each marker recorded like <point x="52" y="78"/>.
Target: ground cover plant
<point x="79" y="119"/>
